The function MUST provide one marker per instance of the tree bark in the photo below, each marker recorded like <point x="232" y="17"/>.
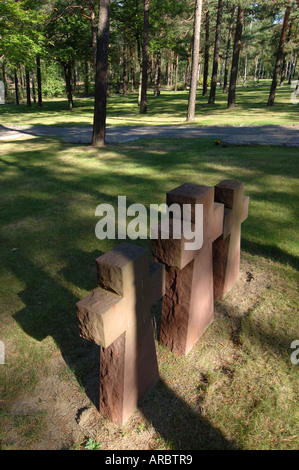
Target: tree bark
<point x="235" y="60"/>
<point x="33" y="87"/>
<point x="187" y="78"/>
<point x="101" y="79"/>
<point x="195" y="61"/>
<point x="17" y="88"/>
<point x="158" y="75"/>
<point x="93" y="34"/>
<point x="207" y="55"/>
<point x="125" y="70"/>
<point x="284" y="64"/>
<point x="176" y="73"/>
<point x="143" y="100"/>
<point x="68" y="84"/>
<point x="28" y="88"/>
<point x="39" y="82"/>
<point x="229" y="38"/>
<point x="279" y="56"/>
<point x="86" y="78"/>
<point x="216" y="53"/>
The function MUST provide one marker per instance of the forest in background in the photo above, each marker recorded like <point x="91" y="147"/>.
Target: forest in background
<point x="49" y="47"/>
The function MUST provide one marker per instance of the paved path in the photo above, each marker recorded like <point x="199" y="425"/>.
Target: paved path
<point x="237" y="135"/>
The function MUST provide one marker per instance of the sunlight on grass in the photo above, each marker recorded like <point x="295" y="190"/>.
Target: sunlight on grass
<point x="49" y="193"/>
<point x="169" y="108"/>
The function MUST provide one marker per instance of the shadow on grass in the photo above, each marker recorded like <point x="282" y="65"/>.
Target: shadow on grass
<point x="50" y="311"/>
<point x="143" y="172"/>
<point x="181" y="427"/>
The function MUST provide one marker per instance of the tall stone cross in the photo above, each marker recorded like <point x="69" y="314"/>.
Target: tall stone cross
<point x="188" y="303"/>
<point x="226" y="249"/>
<point x="116" y="316"/>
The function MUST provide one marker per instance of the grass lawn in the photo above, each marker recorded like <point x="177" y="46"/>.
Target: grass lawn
<point x="169" y="108"/>
<point x="237" y="389"/>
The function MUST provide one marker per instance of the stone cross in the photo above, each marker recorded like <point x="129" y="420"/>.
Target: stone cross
<point x="188" y="303"/>
<point x="117" y="317"/>
<point x="226" y="249"/>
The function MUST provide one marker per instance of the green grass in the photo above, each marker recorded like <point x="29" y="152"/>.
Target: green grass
<point x="236" y="389"/>
<point x="169" y="108"/>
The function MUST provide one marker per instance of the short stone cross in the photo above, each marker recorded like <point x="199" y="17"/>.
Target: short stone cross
<point x="188" y="303"/>
<point x="226" y="249"/>
<point x="117" y="317"/>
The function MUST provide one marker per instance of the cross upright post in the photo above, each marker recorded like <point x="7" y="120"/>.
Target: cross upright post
<point x="188" y="303"/>
<point x="116" y="316"/>
<point x="226" y="249"/>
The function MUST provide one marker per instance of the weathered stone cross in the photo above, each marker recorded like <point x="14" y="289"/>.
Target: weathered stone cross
<point x="188" y="303"/>
<point x="117" y="317"/>
<point x="226" y="249"/>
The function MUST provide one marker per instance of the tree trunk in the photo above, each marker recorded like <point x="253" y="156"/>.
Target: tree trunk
<point x="143" y="101"/>
<point x="187" y="78"/>
<point x="245" y="70"/>
<point x="176" y="74"/>
<point x="276" y="72"/>
<point x="284" y="65"/>
<point x="4" y="80"/>
<point x="222" y="73"/>
<point x="39" y="82"/>
<point x="235" y="60"/>
<point x="17" y="88"/>
<point x="86" y="78"/>
<point x="195" y="61"/>
<point x="125" y="70"/>
<point x="207" y="55"/>
<point x="171" y="69"/>
<point x="33" y="87"/>
<point x="28" y="88"/>
<point x="93" y="34"/>
<point x="216" y="53"/>
<point x="101" y="80"/>
<point x="68" y="84"/>
<point x="158" y="75"/>
<point x="291" y="68"/>
<point x="132" y="70"/>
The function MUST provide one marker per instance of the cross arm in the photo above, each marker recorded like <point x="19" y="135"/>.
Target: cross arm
<point x="169" y="247"/>
<point x="101" y="317"/>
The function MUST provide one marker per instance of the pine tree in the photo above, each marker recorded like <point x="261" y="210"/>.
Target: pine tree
<point x="195" y="61"/>
<point x="101" y="81"/>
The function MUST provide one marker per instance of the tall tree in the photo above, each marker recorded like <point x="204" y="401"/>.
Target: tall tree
<point x="279" y="56"/>
<point x="235" y="60"/>
<point x="216" y="52"/>
<point x="39" y="82"/>
<point x="28" y="94"/>
<point x="195" y="61"/>
<point x="143" y="101"/>
<point x="101" y="80"/>
<point x="93" y="34"/>
<point x="207" y="52"/>
<point x="229" y="38"/>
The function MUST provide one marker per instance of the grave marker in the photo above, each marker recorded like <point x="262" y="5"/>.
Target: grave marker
<point x="226" y="249"/>
<point x="188" y="303"/>
<point x="117" y="317"/>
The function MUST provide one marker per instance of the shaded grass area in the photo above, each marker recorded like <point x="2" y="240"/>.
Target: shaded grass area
<point x="169" y="108"/>
<point x="236" y="389"/>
